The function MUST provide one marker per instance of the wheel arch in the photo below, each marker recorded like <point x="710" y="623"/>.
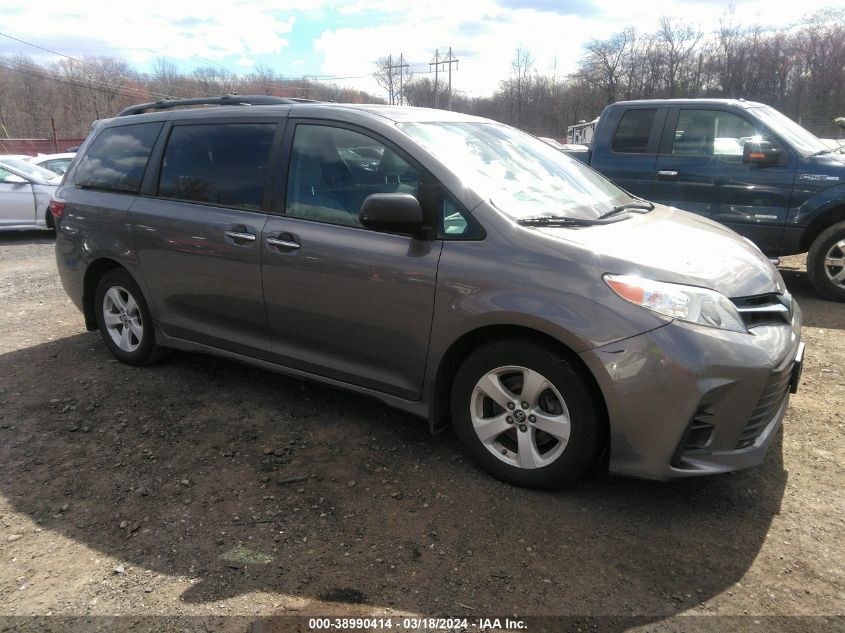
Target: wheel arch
<point x="93" y="273"/>
<point x="461" y="348"/>
<point x="823" y="221"/>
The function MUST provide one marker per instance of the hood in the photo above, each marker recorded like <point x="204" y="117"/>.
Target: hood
<point x="667" y="244"/>
<point x="831" y="165"/>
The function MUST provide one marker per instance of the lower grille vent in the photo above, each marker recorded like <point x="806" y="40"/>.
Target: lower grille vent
<point x="770" y="401"/>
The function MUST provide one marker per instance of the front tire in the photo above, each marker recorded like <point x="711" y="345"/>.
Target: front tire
<point x="826" y="263"/>
<point x="525" y="415"/>
<point x="124" y="319"/>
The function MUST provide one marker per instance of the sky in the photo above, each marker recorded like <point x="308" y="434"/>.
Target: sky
<point x="341" y="41"/>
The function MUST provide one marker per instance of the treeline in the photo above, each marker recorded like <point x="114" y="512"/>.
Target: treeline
<point x="75" y="92"/>
<point x="799" y="70"/>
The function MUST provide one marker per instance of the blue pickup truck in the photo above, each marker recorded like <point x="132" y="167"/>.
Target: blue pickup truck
<point x="740" y="163"/>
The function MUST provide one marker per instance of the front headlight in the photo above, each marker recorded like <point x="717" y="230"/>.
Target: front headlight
<point x="687" y="303"/>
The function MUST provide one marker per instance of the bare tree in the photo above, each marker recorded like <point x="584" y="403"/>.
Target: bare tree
<point x="678" y="42"/>
<point x="387" y="78"/>
<point x="602" y="65"/>
<point x="264" y="78"/>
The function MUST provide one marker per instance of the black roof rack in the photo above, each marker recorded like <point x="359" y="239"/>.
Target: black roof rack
<point x="232" y="99"/>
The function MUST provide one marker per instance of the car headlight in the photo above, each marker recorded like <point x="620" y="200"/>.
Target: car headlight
<point x="687" y="303"/>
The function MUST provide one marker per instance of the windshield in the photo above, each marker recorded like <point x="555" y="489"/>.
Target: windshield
<point x="518" y="173"/>
<point x="800" y="139"/>
<point x="28" y="169"/>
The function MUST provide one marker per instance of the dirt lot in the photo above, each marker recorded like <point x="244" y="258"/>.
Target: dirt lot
<point x="200" y="488"/>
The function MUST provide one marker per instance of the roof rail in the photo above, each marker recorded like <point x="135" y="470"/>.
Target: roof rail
<point x="230" y="99"/>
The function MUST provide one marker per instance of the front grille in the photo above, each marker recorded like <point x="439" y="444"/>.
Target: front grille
<point x="764" y="309"/>
<point x="770" y="401"/>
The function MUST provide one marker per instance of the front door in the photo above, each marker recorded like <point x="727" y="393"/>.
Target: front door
<point x="17" y="202"/>
<point x="700" y="169"/>
<point x="342" y="301"/>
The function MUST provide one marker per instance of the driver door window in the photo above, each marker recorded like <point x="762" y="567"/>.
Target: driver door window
<point x="333" y="170"/>
<point x="713" y="133"/>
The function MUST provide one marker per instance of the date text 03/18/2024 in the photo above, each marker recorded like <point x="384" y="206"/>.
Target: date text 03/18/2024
<point x="416" y="623"/>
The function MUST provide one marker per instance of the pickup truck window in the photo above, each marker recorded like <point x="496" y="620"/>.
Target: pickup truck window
<point x="714" y="133"/>
<point x="633" y="131"/>
<point x="520" y="174"/>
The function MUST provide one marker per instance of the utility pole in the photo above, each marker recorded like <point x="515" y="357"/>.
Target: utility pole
<point x="390" y="77"/>
<point x="436" y="64"/>
<point x="448" y="59"/>
<point x="401" y="65"/>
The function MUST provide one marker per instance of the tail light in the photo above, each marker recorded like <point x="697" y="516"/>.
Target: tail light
<point x="57" y="208"/>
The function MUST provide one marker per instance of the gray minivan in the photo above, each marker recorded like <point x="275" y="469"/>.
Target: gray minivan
<point x="450" y="266"/>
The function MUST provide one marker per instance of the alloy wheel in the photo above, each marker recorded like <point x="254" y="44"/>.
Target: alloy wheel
<point x="122" y="318"/>
<point x="834" y="263"/>
<point x="520" y="417"/>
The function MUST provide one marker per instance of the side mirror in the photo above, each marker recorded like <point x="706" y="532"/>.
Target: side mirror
<point x="15" y="180"/>
<point x="760" y="153"/>
<point x="392" y="213"/>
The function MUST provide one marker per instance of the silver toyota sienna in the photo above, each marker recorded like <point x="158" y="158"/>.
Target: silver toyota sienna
<point x="448" y="265"/>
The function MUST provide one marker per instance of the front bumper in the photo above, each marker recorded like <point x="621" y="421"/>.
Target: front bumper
<point x="686" y="400"/>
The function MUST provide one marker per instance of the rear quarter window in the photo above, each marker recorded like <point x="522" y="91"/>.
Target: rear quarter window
<point x="634" y="131"/>
<point x="117" y="158"/>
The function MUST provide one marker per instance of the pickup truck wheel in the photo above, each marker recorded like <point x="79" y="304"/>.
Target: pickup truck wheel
<point x="525" y="415"/>
<point x="826" y="263"/>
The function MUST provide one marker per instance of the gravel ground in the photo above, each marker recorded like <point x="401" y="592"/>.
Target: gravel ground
<point x="199" y="488"/>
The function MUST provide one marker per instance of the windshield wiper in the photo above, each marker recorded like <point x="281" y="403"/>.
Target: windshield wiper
<point x="827" y="150"/>
<point x="640" y="207"/>
<point x="606" y="218"/>
<point x="556" y="220"/>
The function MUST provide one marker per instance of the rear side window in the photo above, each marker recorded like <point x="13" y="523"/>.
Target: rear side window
<point x="633" y="132"/>
<point x="59" y="165"/>
<point x="223" y="164"/>
<point x="117" y="158"/>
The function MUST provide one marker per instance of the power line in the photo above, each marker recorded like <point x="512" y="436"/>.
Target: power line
<point x="42" y="48"/>
<point x="72" y="82"/>
<point x="44" y="73"/>
<point x="84" y="63"/>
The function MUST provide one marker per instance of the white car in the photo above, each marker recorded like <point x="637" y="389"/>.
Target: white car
<point x="25" y="157"/>
<point x="54" y="162"/>
<point x="25" y="192"/>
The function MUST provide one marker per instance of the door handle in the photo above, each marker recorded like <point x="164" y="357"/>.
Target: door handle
<point x="275" y="241"/>
<point x="667" y="174"/>
<point x="241" y="235"/>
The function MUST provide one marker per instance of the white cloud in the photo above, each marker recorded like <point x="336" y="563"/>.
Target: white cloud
<point x="485" y="36"/>
<point x="483" y="33"/>
<point x="156" y="28"/>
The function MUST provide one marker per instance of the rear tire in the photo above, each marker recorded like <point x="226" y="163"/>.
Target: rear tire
<point x="526" y="415"/>
<point x="826" y="263"/>
<point x="124" y="319"/>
